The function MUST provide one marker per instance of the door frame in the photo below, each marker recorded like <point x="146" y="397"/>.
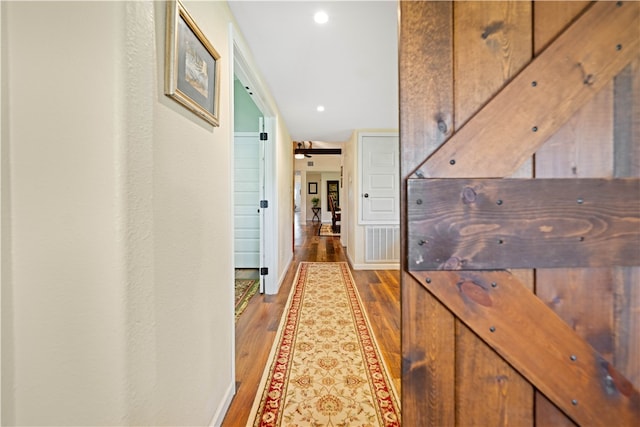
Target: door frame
<point x="240" y="66"/>
<point x="242" y="69"/>
<point x="268" y="217"/>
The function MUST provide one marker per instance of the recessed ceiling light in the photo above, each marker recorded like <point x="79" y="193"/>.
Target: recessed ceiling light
<point x="320" y="108"/>
<point x="321" y="17"/>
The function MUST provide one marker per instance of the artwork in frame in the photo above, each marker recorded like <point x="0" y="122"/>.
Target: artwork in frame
<point x="332" y="191"/>
<point x="313" y="188"/>
<point x="192" y="65"/>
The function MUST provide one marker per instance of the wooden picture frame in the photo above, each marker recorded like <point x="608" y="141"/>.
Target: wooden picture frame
<point x="192" y="65"/>
<point x="313" y="188"/>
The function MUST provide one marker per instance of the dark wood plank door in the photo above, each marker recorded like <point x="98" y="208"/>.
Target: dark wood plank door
<point x="527" y="90"/>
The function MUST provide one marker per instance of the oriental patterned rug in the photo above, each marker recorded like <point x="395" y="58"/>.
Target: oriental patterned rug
<point x="326" y="231"/>
<point x="325" y="367"/>
<point x="244" y="290"/>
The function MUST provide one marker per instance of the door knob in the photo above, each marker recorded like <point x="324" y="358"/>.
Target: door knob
<point x="366" y="195"/>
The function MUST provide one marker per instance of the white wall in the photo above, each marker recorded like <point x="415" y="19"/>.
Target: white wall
<point x="297" y="190"/>
<point x="5" y="261"/>
<point x="65" y="323"/>
<point x="283" y="197"/>
<point x="322" y="164"/>
<point x="117" y="268"/>
<point x="322" y="193"/>
<point x="314" y="177"/>
<point x="350" y="189"/>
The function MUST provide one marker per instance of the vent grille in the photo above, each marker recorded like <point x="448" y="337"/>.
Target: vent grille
<point x="382" y="243"/>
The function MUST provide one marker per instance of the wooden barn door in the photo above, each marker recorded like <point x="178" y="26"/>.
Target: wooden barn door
<point x="520" y="159"/>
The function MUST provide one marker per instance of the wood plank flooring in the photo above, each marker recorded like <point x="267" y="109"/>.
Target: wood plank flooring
<point x="256" y="328"/>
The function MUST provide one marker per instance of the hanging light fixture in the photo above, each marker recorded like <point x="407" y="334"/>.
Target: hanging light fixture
<point x="301" y="151"/>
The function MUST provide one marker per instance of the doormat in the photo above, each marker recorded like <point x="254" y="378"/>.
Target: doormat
<point x="325" y="367"/>
<point x="326" y="230"/>
<point x="244" y="289"/>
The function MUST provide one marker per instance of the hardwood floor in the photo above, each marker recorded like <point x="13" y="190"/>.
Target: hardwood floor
<point x="256" y="328"/>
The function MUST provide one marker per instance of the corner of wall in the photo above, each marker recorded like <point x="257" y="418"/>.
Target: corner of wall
<point x="221" y="411"/>
<point x="351" y="185"/>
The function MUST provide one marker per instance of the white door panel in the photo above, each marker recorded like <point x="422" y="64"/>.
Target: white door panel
<point x="380" y="176"/>
<point x="247" y="200"/>
<point x="247" y="258"/>
<point x="245" y="187"/>
<point x="245" y="245"/>
<point x="382" y="182"/>
<point x="247" y="234"/>
<point x="382" y="206"/>
<point x="245" y="223"/>
<point x="244" y="174"/>
<point x="381" y="159"/>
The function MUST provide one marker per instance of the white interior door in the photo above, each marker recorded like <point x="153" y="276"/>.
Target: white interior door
<point x="379" y="178"/>
<point x="247" y="174"/>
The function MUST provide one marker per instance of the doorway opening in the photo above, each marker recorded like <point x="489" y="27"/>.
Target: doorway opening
<point x="252" y="148"/>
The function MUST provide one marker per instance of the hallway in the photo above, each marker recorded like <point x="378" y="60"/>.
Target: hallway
<point x="256" y="328"/>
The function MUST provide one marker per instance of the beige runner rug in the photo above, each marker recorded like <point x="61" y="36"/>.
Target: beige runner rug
<point x="325" y="367"/>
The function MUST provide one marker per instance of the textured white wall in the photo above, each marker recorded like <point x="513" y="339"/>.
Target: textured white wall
<point x="67" y="287"/>
<point x="350" y="190"/>
<point x="120" y="268"/>
<point x="284" y="196"/>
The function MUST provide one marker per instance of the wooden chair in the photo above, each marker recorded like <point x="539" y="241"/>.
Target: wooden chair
<point x="335" y="214"/>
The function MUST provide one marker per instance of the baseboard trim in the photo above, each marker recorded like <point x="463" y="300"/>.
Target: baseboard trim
<point x="284" y="271"/>
<point x="221" y="412"/>
<point x="393" y="266"/>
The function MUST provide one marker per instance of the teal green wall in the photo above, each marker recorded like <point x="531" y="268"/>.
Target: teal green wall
<point x="246" y="113"/>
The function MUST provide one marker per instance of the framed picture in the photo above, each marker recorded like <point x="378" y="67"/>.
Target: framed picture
<point x="313" y="188"/>
<point x="332" y="192"/>
<point x="192" y="65"/>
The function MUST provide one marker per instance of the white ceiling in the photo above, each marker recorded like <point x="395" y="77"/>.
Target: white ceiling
<point x="349" y="65"/>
